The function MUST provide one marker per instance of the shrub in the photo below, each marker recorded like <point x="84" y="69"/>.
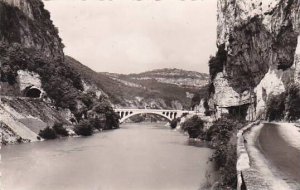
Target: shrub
<point x="173" y="123"/>
<point x="275" y="107"/>
<point x="112" y="120"/>
<point x="48" y="133"/>
<point x="97" y="123"/>
<point x="111" y="117"/>
<point x="195" y="100"/>
<point x="84" y="128"/>
<point x="60" y="130"/>
<point x="222" y="137"/>
<point x="216" y="63"/>
<point x="226" y="158"/>
<point x="194" y="126"/>
<point x="292" y="102"/>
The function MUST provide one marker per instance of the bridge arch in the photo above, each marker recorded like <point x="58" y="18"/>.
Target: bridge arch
<point x="168" y="114"/>
<point x="130" y="114"/>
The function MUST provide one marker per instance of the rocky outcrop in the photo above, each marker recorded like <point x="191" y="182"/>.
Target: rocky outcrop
<point x="29" y="80"/>
<point x="38" y="86"/>
<point x="260" y="38"/>
<point x="26" y="22"/>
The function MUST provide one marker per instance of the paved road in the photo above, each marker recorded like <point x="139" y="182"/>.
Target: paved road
<point x="284" y="157"/>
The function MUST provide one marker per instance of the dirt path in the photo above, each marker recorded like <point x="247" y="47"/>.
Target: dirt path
<point x="278" y="151"/>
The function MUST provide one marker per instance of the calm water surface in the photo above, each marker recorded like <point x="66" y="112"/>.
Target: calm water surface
<point x="134" y="157"/>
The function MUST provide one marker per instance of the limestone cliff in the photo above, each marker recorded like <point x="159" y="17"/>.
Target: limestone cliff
<point x="26" y="22"/>
<point x="257" y="41"/>
<point x="38" y="87"/>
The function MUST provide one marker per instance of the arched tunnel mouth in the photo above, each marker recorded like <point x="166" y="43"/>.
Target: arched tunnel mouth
<point x="32" y="92"/>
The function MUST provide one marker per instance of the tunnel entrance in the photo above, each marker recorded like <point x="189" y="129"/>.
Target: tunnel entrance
<point x="32" y="92"/>
<point x="239" y="112"/>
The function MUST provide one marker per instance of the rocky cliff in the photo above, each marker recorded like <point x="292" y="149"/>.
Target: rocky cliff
<point x="26" y="22"/>
<point x="38" y="86"/>
<point x="257" y="42"/>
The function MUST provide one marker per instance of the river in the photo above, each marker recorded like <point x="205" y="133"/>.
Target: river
<point x="134" y="157"/>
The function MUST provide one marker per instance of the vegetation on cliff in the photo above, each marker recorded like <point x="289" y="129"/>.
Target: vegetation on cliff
<point x="60" y="82"/>
<point x="194" y="126"/>
<point x="30" y="27"/>
<point x="284" y="105"/>
<point x="217" y="62"/>
<point x="30" y="42"/>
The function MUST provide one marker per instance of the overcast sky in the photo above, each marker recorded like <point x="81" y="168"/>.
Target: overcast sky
<point x="130" y="36"/>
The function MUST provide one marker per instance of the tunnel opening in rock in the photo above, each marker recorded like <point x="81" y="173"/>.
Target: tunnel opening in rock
<point x="238" y="112"/>
<point x="32" y="92"/>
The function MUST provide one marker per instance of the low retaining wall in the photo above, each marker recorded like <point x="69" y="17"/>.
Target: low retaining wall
<point x="243" y="161"/>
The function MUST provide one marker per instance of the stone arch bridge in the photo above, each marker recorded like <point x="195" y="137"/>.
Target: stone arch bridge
<point x="168" y="114"/>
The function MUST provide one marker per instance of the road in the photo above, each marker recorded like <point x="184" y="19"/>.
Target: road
<point x="285" y="158"/>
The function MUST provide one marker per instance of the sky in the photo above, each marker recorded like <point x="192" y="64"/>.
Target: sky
<point x="132" y="36"/>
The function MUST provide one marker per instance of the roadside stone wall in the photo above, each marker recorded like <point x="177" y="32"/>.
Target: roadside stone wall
<point x="248" y="177"/>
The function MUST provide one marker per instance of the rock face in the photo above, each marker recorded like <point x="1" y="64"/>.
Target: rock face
<point x="174" y="76"/>
<point x="26" y="22"/>
<point x="259" y="38"/>
<point x="38" y="87"/>
<point x="29" y="80"/>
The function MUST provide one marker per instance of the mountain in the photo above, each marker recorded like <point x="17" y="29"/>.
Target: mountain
<point x="174" y="76"/>
<point x="174" y="89"/>
<point x="38" y="87"/>
<point x="257" y="58"/>
<point x="163" y="88"/>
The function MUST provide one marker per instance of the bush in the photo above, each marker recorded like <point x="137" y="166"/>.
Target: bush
<point x="194" y="126"/>
<point x="111" y="117"/>
<point x="84" y="128"/>
<point x="195" y="100"/>
<point x="222" y="137"/>
<point x="48" y="133"/>
<point x="275" y="107"/>
<point x="292" y="102"/>
<point x="97" y="123"/>
<point x="216" y="63"/>
<point x="225" y="158"/>
<point x="60" y="130"/>
<point x="173" y="123"/>
<point x="112" y="120"/>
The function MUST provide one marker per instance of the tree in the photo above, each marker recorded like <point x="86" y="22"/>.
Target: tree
<point x="216" y="63"/>
<point x="276" y="107"/>
<point x="222" y="137"/>
<point x="111" y="118"/>
<point x="47" y="133"/>
<point x="293" y="102"/>
<point x="84" y="128"/>
<point x="194" y="126"/>
<point x="174" y="122"/>
<point x="60" y="130"/>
